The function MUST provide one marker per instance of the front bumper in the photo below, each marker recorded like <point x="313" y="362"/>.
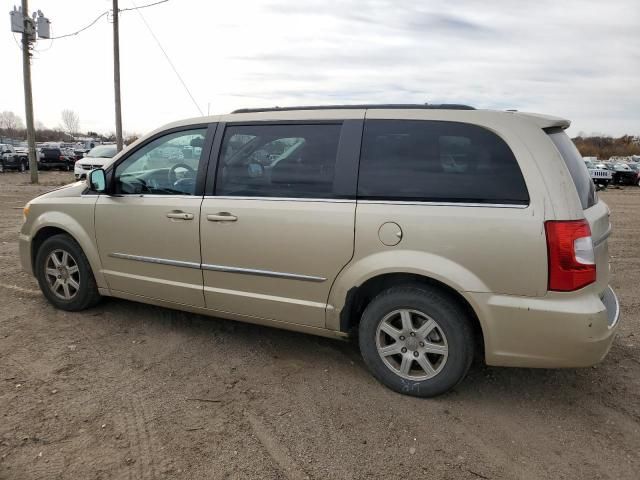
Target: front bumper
<point x="555" y="331"/>
<point x="81" y="170"/>
<point x="24" y="247"/>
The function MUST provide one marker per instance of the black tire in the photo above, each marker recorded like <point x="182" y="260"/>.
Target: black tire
<point x="86" y="295"/>
<point x="23" y="166"/>
<point x="452" y="321"/>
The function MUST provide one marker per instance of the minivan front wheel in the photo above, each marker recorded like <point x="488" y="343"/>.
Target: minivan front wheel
<point x="64" y="274"/>
<point x="416" y="340"/>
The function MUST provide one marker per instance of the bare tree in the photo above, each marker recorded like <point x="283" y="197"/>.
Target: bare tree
<point x="70" y="122"/>
<point x="10" y="122"/>
<point x="130" y="137"/>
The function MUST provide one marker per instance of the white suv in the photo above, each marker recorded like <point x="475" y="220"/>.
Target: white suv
<point x="95" y="158"/>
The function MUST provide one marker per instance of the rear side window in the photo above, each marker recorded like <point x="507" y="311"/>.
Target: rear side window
<point x="433" y="161"/>
<point x="576" y="166"/>
<point x="295" y="161"/>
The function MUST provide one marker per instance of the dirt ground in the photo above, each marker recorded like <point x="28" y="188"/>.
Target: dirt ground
<point x="138" y="392"/>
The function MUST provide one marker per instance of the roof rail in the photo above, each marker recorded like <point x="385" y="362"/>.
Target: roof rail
<point x="427" y="106"/>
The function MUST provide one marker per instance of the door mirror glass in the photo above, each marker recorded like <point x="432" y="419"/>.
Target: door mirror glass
<point x="97" y="180"/>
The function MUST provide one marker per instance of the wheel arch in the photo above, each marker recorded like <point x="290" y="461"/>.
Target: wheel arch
<point x="358" y="297"/>
<point x="65" y="224"/>
<point x="40" y="237"/>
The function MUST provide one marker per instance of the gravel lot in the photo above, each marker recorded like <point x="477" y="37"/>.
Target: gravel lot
<point x="138" y="392"/>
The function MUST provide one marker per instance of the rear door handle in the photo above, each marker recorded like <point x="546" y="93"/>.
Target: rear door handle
<point x="180" y="215"/>
<point x="222" y="217"/>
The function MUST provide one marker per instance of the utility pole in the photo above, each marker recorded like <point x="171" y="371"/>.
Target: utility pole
<point x="28" y="97"/>
<point x="116" y="75"/>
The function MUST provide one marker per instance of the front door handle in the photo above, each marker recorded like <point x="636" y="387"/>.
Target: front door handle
<point x="222" y="217"/>
<point x="180" y="215"/>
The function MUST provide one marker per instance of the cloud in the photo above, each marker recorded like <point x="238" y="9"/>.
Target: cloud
<point x="572" y="58"/>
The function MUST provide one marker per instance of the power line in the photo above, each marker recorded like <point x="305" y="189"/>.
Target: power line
<point x="106" y="12"/>
<point x="175" y="70"/>
<point x="82" y="29"/>
<point x="142" y="6"/>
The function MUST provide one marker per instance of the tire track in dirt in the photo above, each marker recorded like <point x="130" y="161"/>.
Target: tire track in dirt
<point x="144" y="456"/>
<point x="276" y="451"/>
<point x="48" y="467"/>
<point x="15" y="288"/>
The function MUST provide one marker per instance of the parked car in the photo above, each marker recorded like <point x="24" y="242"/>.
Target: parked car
<point x="636" y="168"/>
<point x="10" y="159"/>
<point x="623" y="174"/>
<point x="95" y="158"/>
<point x="599" y="175"/>
<point x="79" y="153"/>
<point x="54" y="157"/>
<point x="357" y="224"/>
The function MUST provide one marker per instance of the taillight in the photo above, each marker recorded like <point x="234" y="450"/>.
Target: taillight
<point x="570" y="253"/>
<point x="61" y="158"/>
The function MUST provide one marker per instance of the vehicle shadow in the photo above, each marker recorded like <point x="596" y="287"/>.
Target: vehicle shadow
<point x="482" y="384"/>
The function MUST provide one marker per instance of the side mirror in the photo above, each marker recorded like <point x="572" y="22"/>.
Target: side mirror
<point x="97" y="180"/>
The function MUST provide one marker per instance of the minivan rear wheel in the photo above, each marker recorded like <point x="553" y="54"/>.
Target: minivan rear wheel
<point x="416" y="340"/>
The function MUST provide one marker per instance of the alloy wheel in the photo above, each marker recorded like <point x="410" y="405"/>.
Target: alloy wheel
<point x="63" y="275"/>
<point x="412" y="344"/>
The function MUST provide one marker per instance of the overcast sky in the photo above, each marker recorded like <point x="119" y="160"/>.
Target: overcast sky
<point x="576" y="59"/>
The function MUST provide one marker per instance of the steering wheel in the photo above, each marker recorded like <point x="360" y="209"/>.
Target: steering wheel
<point x="173" y="177"/>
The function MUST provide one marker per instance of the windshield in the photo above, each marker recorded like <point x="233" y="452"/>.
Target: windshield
<point x="102" y="151"/>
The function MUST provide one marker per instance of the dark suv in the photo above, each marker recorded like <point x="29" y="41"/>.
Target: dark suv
<point x="53" y="157"/>
<point x="11" y="159"/>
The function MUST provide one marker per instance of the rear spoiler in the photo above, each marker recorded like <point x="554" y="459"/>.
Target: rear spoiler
<point x="546" y="121"/>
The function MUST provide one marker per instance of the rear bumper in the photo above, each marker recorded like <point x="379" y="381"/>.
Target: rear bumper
<point x="555" y="331"/>
<point x="53" y="164"/>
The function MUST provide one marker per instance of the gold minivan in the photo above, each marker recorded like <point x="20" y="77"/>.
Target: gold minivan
<point x="432" y="233"/>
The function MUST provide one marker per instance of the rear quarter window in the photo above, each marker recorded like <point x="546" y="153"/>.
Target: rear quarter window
<point x="577" y="169"/>
<point x="438" y="161"/>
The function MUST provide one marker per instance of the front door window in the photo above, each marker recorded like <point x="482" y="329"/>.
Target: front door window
<point x="166" y="166"/>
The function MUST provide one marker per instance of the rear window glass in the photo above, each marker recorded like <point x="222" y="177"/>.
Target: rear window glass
<point x="576" y="166"/>
<point x="424" y="160"/>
